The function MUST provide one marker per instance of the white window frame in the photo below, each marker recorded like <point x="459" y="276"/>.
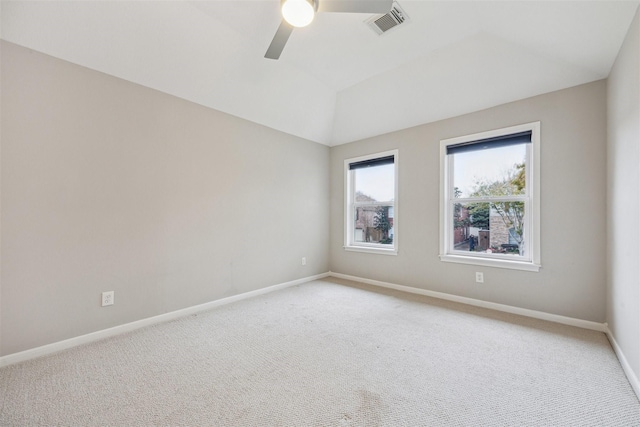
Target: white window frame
<point x="531" y="199"/>
<point x="350" y="205"/>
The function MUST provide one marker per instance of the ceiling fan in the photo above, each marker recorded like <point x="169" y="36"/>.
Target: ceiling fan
<point x="300" y="13"/>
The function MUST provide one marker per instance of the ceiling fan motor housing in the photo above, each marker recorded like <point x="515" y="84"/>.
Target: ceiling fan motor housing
<point x="341" y="6"/>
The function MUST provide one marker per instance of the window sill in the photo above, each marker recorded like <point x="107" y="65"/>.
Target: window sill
<point x="371" y="250"/>
<point x="487" y="262"/>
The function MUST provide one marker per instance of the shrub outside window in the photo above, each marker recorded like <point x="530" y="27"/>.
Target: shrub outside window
<point x="490" y="198"/>
<point x="371" y="214"/>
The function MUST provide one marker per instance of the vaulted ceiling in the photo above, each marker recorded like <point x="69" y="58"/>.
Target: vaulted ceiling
<point x="337" y="80"/>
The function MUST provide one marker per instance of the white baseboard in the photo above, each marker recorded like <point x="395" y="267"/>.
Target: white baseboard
<point x="120" y="329"/>
<point x="631" y="376"/>
<point x="585" y="324"/>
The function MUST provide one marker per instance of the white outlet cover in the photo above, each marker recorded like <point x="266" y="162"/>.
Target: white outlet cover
<point x="107" y="298"/>
<point x="479" y="277"/>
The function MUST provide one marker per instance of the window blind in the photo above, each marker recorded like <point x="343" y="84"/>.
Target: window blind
<point x="380" y="161"/>
<point x="489" y="143"/>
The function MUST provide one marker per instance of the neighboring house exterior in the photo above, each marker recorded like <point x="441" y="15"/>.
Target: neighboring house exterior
<point x="365" y="230"/>
<point x="461" y="233"/>
<point x="499" y="237"/>
<point x="500" y="233"/>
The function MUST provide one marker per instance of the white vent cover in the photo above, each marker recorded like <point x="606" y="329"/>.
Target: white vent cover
<point x="383" y="23"/>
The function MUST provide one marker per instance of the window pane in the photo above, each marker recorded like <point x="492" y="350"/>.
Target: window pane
<point x="495" y="227"/>
<point x="491" y="172"/>
<point x="373" y="224"/>
<point x="375" y="183"/>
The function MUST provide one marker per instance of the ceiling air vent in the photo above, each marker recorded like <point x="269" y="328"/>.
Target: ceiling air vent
<point x="383" y="23"/>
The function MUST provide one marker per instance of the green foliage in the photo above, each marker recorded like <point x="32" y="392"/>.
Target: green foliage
<point x="519" y="181"/>
<point x="479" y="215"/>
<point x="381" y="221"/>
<point x="512" y="213"/>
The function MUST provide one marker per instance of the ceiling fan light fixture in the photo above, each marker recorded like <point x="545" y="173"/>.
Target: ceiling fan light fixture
<point x="298" y="13"/>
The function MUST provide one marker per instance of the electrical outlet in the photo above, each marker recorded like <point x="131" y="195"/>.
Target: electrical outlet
<point x="304" y="261"/>
<point x="479" y="277"/>
<point x="107" y="298"/>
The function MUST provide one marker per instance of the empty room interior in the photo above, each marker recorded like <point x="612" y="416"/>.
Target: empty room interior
<point x="399" y="213"/>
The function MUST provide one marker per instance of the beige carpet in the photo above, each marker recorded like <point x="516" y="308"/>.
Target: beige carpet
<point x="326" y="354"/>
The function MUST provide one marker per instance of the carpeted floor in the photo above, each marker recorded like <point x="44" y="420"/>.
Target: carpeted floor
<point x="329" y="353"/>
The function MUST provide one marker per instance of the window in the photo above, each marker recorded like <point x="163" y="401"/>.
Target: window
<point x="371" y="217"/>
<point x="490" y="192"/>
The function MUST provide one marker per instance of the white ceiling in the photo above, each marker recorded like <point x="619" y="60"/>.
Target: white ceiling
<point x="336" y="81"/>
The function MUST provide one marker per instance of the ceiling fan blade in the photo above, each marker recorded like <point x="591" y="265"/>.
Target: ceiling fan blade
<point x="279" y="40"/>
<point x="355" y="6"/>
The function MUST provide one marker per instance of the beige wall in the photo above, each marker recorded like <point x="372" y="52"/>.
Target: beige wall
<point x="623" y="198"/>
<point x="107" y="185"/>
<point x="573" y="176"/>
